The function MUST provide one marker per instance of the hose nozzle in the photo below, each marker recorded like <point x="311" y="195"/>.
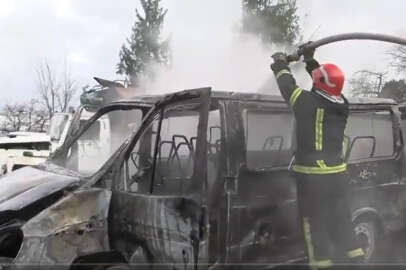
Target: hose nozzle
<point x="293" y="57"/>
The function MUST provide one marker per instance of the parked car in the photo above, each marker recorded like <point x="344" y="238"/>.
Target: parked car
<point x="20" y="149"/>
<point x="203" y="181"/>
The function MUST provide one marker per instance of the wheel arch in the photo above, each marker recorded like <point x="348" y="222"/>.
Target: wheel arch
<point x="369" y="213"/>
<point x="105" y="257"/>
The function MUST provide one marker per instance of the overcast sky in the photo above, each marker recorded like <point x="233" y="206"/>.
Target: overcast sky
<point x="87" y="35"/>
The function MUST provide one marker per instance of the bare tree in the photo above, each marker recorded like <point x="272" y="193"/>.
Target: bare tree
<point x="66" y="91"/>
<point x="55" y="94"/>
<point x="36" y="116"/>
<point x="14" y="116"/>
<point x="48" y="87"/>
<point x="30" y="116"/>
<point x="30" y="113"/>
<point x="394" y="89"/>
<point x="366" y="83"/>
<point x="398" y="55"/>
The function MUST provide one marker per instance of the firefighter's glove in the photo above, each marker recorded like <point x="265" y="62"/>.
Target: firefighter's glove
<point x="280" y="62"/>
<point x="308" y="53"/>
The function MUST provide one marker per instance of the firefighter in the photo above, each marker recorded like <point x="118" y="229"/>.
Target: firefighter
<point x="322" y="184"/>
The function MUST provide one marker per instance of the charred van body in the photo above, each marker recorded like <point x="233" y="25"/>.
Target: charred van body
<point x="194" y="179"/>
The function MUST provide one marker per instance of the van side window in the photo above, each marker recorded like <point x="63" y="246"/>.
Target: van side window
<point x="268" y="138"/>
<point x="173" y="152"/>
<point x="370" y="135"/>
<point x="176" y="150"/>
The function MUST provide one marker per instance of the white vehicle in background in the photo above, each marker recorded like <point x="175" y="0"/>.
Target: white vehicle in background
<point x="104" y="92"/>
<point x="20" y="149"/>
<point x="90" y="145"/>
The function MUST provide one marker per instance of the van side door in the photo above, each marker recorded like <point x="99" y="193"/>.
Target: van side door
<point x="156" y="204"/>
<point x="263" y="224"/>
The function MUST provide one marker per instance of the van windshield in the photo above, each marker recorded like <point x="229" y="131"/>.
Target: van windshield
<point x="95" y="145"/>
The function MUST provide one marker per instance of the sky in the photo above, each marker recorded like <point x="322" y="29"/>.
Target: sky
<point x="87" y="35"/>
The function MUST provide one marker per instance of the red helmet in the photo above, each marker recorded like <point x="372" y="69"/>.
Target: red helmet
<point x="329" y="78"/>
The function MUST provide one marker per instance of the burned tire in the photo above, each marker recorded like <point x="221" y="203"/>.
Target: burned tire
<point x="112" y="267"/>
<point x="118" y="267"/>
<point x="368" y="235"/>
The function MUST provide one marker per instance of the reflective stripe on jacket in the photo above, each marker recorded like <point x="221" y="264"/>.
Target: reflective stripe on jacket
<point x="320" y="125"/>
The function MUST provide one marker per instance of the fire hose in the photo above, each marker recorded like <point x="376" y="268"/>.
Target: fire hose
<point x="341" y="37"/>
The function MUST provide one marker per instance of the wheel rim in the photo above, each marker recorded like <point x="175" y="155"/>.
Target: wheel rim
<point x="366" y="237"/>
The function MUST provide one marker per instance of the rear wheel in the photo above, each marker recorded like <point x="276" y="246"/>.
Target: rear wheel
<point x="111" y="267"/>
<point x="118" y="267"/>
<point x="368" y="235"/>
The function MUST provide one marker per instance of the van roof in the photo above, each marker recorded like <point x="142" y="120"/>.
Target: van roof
<point x="150" y="99"/>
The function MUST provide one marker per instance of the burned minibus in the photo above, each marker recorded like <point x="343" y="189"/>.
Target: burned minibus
<point x="203" y="182"/>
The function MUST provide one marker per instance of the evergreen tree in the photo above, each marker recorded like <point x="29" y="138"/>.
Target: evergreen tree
<point x="275" y="21"/>
<point x="394" y="89"/>
<point x="366" y="83"/>
<point x="144" y="47"/>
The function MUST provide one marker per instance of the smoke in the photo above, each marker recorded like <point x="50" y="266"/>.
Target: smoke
<point x="237" y="63"/>
<point x="209" y="49"/>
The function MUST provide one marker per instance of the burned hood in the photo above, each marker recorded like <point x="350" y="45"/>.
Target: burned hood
<point x="27" y="185"/>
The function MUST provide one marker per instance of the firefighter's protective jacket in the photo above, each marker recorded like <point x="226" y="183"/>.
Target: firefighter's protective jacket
<point x="320" y="125"/>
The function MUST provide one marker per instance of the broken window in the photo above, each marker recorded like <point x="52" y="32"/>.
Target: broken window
<point x="100" y="140"/>
<point x="92" y="133"/>
<point x="176" y="149"/>
<point x="173" y="153"/>
<point x="268" y="138"/>
<point x="370" y="135"/>
<point x="136" y="171"/>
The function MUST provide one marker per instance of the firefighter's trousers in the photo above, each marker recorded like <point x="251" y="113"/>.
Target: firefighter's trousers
<point x="326" y="219"/>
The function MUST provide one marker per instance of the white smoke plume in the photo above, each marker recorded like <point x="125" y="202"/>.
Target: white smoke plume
<point x="240" y="63"/>
<point x="214" y="53"/>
